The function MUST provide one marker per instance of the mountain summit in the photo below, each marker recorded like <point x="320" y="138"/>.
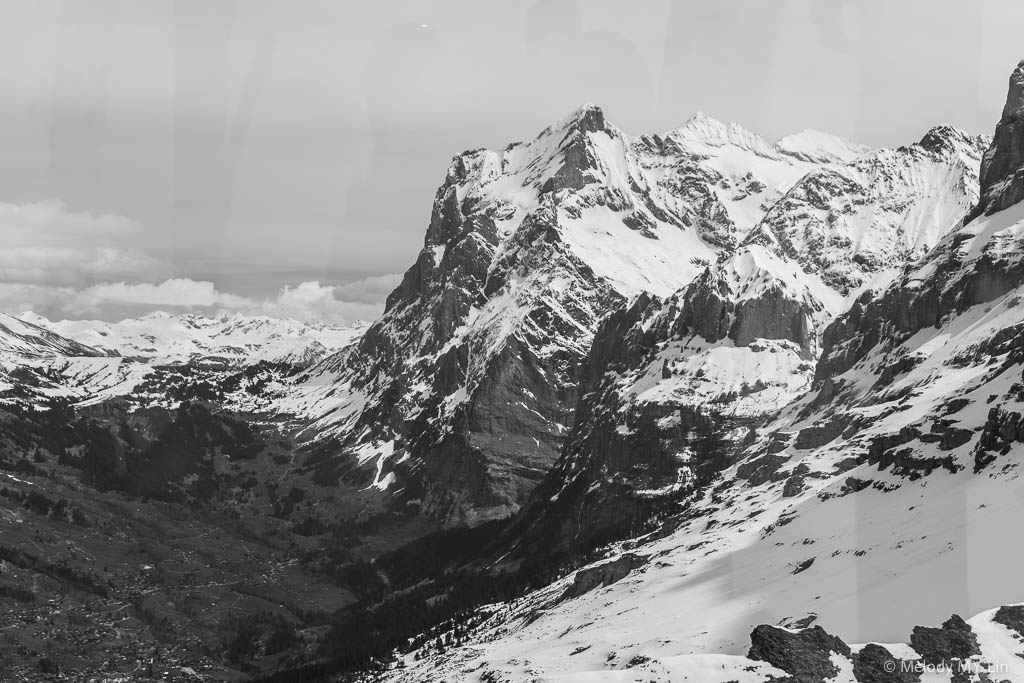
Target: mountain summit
<point x="1002" y="169"/>
<point x="463" y="394"/>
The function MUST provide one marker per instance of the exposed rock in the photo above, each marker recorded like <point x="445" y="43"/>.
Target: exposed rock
<point x="1001" y="429"/>
<point x="779" y="441"/>
<point x="892" y="370"/>
<point x="1012" y="617"/>
<point x="954" y="641"/>
<point x="875" y="664"/>
<point x="947" y="436"/>
<point x="745" y="298"/>
<point x="804" y="655"/>
<point x="794" y="486"/>
<point x="854" y="484"/>
<point x="762" y="469"/>
<point x="1002" y="167"/>
<point x="803" y="566"/>
<point x="820" y="433"/>
<point x="881" y="445"/>
<point x="605" y="574"/>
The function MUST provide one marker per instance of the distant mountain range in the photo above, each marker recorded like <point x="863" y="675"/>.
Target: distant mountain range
<point x="167" y="339"/>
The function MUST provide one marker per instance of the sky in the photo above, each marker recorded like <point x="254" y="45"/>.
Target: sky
<point x="281" y="157"/>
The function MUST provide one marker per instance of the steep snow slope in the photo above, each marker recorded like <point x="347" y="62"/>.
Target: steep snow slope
<point x="27" y="340"/>
<point x="855" y="225"/>
<point x="986" y="647"/>
<point x="465" y="389"/>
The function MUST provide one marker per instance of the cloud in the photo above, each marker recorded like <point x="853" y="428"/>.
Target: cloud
<point x="308" y="301"/>
<point x="77" y="264"/>
<point x="19" y="297"/>
<point x="311" y="301"/>
<point x="46" y="244"/>
<point x="370" y="289"/>
<point x="174" y="293"/>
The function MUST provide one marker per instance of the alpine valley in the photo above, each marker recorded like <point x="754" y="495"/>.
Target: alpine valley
<point x="688" y="406"/>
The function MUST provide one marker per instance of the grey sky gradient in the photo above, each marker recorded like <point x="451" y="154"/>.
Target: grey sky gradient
<point x="261" y="143"/>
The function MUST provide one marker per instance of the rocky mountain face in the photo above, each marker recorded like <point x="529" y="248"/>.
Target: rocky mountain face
<point x="1002" y="169"/>
<point x="769" y="527"/>
<point x="974" y="265"/>
<point x="463" y="395"/>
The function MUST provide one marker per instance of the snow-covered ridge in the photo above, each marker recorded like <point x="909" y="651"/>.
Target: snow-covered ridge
<point x="753" y="270"/>
<point x="814" y="145"/>
<point x="27" y="339"/>
<point x="705" y="130"/>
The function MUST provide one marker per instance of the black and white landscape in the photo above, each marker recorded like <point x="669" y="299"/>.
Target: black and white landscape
<point x="687" y="406"/>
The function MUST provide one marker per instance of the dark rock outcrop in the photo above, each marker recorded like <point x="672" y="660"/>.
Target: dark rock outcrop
<point x="602" y="575"/>
<point x="1001" y="429"/>
<point x="888" y="451"/>
<point x="1002" y="167"/>
<point x="821" y="433"/>
<point x="875" y="664"/>
<point x="762" y="469"/>
<point x="953" y="642"/>
<point x="711" y="309"/>
<point x="804" y="655"/>
<point x="1012" y="617"/>
<point x="807" y="655"/>
<point x="794" y="486"/>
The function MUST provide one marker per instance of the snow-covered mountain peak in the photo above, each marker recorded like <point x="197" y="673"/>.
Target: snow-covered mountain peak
<point x="1015" y="97"/>
<point x="705" y="130"/>
<point x="816" y="146"/>
<point x="947" y="138"/>
<point x="588" y="117"/>
<point x="949" y="144"/>
<point x="30" y="317"/>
